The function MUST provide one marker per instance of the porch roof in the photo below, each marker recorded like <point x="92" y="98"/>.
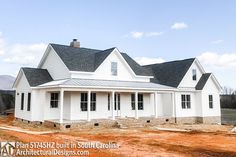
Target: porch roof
<point x="73" y="82"/>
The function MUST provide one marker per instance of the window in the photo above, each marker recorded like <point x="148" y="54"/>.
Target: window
<point x="54" y="100"/>
<point x="186" y="101"/>
<point x="93" y="102"/>
<point x="109" y="102"/>
<point x="84" y="102"/>
<point x="114" y="68"/>
<point x="194" y="74"/>
<point x="117" y="101"/>
<point x="22" y="101"/>
<point x="29" y="102"/>
<point x="133" y="101"/>
<point x="210" y="101"/>
<point x="140" y="101"/>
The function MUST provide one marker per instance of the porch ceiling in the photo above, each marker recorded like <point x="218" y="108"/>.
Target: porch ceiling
<point x="104" y="83"/>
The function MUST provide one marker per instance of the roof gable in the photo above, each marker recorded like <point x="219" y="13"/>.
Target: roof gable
<point x="88" y="60"/>
<point x="170" y="73"/>
<point x="36" y="76"/>
<point x="201" y="83"/>
<point x="76" y="59"/>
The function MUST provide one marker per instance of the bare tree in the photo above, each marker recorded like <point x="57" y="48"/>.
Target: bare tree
<point x="228" y="91"/>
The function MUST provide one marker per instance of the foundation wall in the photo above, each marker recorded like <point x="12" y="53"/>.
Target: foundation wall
<point x="127" y="122"/>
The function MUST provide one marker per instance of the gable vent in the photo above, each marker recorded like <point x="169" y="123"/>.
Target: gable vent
<point x="75" y="43"/>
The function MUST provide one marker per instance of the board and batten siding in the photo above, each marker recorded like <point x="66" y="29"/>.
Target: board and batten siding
<point x="186" y="112"/>
<point x="210" y="88"/>
<point x="22" y="87"/>
<point x="55" y="66"/>
<point x="103" y="72"/>
<point x="187" y="81"/>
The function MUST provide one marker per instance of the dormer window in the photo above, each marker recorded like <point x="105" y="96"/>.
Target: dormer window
<point x="194" y="71"/>
<point x="114" y="68"/>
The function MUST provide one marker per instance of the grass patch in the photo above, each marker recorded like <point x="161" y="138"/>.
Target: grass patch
<point x="228" y="116"/>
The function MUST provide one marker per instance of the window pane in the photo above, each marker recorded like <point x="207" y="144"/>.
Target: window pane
<point x="183" y="105"/>
<point x="114" y="68"/>
<point x="29" y="102"/>
<point x="194" y="74"/>
<point x="140" y="105"/>
<point x="183" y="97"/>
<point x="52" y="96"/>
<point x="22" y="101"/>
<point x="109" y="102"/>
<point x="56" y="96"/>
<point x="188" y="97"/>
<point x="132" y="97"/>
<point x="188" y="105"/>
<point x="210" y="98"/>
<point x="140" y="97"/>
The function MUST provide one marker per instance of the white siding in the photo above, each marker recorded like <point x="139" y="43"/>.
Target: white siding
<point x="22" y="87"/>
<point x="55" y="66"/>
<point x="167" y="105"/>
<point x="50" y="113"/>
<point x="187" y="112"/>
<point x="104" y="70"/>
<point x="210" y="89"/>
<point x="36" y="105"/>
<point x="67" y="105"/>
<point x="187" y="80"/>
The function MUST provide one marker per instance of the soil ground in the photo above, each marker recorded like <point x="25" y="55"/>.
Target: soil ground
<point x="200" y="141"/>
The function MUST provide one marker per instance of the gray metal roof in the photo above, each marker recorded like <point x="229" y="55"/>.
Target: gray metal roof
<point x="104" y="84"/>
<point x="201" y="83"/>
<point x="170" y="73"/>
<point x="88" y="60"/>
<point x="37" y="76"/>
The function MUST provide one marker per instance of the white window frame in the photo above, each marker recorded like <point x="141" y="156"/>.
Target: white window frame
<point x="211" y="101"/>
<point x="114" y="68"/>
<point x="56" y="101"/>
<point x="194" y="74"/>
<point x="186" y="101"/>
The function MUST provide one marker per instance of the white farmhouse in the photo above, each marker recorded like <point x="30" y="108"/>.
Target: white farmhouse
<point x="73" y="84"/>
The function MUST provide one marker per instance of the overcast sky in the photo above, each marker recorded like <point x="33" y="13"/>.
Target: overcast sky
<point x="149" y="31"/>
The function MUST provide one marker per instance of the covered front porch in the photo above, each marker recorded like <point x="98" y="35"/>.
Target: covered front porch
<point x="78" y="104"/>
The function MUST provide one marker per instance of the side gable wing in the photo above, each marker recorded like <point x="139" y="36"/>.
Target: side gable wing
<point x="205" y="78"/>
<point x="170" y="73"/>
<point x="54" y="64"/>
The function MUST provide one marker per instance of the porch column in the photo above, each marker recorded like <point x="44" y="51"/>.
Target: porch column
<point x="155" y="104"/>
<point x="113" y="105"/>
<point x="61" y="105"/>
<point x="88" y="108"/>
<point x="136" y="105"/>
<point x="174" y="106"/>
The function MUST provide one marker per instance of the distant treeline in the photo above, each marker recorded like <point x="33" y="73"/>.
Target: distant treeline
<point x="228" y="101"/>
<point x="7" y="100"/>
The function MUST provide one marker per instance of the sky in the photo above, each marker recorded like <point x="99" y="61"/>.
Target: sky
<point x="150" y="31"/>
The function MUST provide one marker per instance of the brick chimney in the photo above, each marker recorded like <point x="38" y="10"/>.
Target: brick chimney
<point x="75" y="43"/>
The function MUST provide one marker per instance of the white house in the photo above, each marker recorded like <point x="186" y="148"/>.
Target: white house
<point x="73" y="84"/>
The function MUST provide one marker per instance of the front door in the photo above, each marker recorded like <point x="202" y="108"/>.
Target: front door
<point x="117" y="104"/>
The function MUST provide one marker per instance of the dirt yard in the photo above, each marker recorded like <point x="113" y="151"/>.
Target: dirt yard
<point x="199" y="141"/>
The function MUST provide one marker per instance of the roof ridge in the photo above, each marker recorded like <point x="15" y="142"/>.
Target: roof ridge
<point x="169" y="62"/>
<point x="75" y="47"/>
